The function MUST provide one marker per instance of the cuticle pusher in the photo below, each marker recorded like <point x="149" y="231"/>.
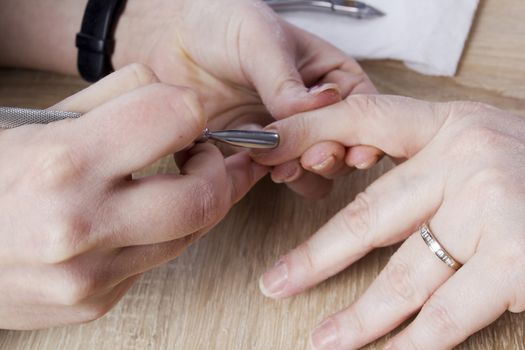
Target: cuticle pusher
<point x="13" y="117"/>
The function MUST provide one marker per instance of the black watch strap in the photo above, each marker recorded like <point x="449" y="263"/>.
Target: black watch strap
<point x="95" y="41"/>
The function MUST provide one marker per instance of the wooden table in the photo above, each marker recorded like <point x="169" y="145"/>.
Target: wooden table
<point x="208" y="298"/>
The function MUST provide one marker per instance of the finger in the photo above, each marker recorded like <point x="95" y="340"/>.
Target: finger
<point x="398" y="126"/>
<point x="244" y="174"/>
<point x="325" y="159"/>
<point x="335" y="67"/>
<point x="471" y="299"/>
<point x="166" y="207"/>
<point x="409" y="279"/>
<point x="322" y="63"/>
<point x="351" y="79"/>
<point x="281" y="88"/>
<point x="377" y="217"/>
<point x="133" y="260"/>
<point x="305" y="183"/>
<point x="124" y="80"/>
<point x="133" y="130"/>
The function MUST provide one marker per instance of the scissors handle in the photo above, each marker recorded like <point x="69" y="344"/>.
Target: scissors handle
<point x="351" y="8"/>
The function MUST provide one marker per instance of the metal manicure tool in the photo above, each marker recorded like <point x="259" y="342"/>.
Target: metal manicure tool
<point x="355" y="9"/>
<point x="11" y="117"/>
<point x="243" y="138"/>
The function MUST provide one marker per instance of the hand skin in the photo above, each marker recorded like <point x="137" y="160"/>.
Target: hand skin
<point x="246" y="64"/>
<point x="464" y="173"/>
<point x="76" y="230"/>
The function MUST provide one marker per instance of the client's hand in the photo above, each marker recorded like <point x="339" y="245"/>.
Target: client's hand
<point x="465" y="176"/>
<point x="76" y="230"/>
<point x="247" y="66"/>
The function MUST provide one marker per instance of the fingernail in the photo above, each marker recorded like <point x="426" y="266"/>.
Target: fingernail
<point x="325" y="164"/>
<point x="324" y="337"/>
<point x="272" y="282"/>
<point x="367" y="163"/>
<point x="287" y="174"/>
<point x="329" y="89"/>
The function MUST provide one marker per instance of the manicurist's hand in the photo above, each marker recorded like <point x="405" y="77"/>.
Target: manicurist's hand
<point x="249" y="67"/>
<point x="76" y="229"/>
<point x="464" y="176"/>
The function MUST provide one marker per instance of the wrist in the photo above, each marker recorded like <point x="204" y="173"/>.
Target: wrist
<point x="141" y="27"/>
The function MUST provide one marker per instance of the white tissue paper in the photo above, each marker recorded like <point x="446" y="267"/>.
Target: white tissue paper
<point x="428" y="35"/>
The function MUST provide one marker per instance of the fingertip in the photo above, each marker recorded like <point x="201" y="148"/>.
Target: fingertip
<point x="273" y="283"/>
<point x="287" y="172"/>
<point x="363" y="157"/>
<point x="325" y="94"/>
<point x="325" y="158"/>
<point x="263" y="289"/>
<point x="297" y="99"/>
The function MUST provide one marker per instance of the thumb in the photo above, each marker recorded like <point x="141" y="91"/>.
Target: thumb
<point x="398" y="126"/>
<point x="273" y="70"/>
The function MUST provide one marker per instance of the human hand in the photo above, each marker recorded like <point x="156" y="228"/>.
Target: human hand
<point x="248" y="66"/>
<point x="464" y="175"/>
<point x="76" y="229"/>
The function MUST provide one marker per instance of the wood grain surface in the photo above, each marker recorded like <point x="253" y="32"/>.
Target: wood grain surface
<point x="208" y="298"/>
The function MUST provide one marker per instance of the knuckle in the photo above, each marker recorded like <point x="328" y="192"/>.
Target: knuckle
<point x="439" y="319"/>
<point x="353" y="322"/>
<point x="306" y="257"/>
<point x="142" y="74"/>
<point x="208" y="209"/>
<point x="511" y="255"/>
<point x="398" y="284"/>
<point x="93" y="312"/>
<point x="477" y="138"/>
<point x="59" y="166"/>
<point x="66" y="238"/>
<point x="288" y="83"/>
<point x="76" y="286"/>
<point x="492" y="186"/>
<point x="510" y="262"/>
<point x="357" y="218"/>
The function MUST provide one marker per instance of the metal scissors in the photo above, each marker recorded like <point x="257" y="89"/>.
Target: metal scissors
<point x="12" y="117"/>
<point x="355" y="9"/>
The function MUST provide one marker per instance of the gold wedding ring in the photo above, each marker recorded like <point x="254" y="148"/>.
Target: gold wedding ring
<point x="436" y="248"/>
